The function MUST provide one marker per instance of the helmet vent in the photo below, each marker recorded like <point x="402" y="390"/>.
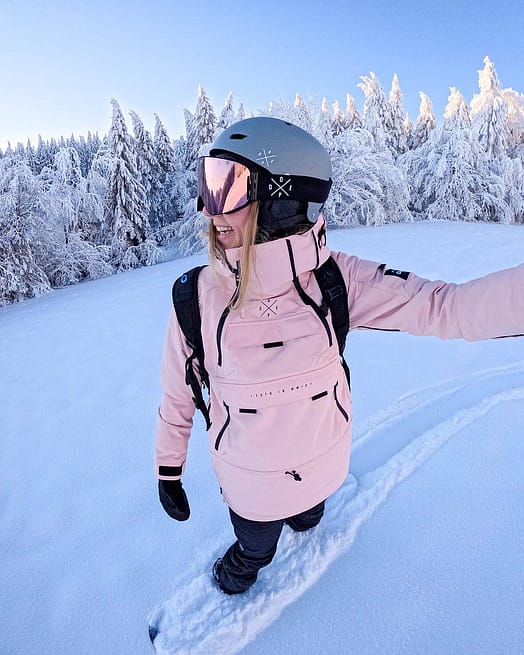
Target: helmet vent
<point x="238" y="136"/>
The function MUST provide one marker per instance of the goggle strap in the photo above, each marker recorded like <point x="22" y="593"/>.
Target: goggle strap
<point x="265" y="186"/>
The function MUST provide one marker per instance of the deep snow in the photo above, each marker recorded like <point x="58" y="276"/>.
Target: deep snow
<point x="426" y="557"/>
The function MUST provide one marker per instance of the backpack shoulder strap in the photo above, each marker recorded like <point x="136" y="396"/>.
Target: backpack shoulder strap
<point x="185" y="302"/>
<point x="335" y="296"/>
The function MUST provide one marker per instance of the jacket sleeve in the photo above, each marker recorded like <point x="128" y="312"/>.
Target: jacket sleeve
<point x="175" y="414"/>
<point x="384" y="299"/>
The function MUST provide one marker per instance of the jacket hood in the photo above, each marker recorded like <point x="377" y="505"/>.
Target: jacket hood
<point x="276" y="263"/>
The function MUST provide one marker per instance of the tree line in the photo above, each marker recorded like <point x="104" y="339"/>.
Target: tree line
<point x="79" y="209"/>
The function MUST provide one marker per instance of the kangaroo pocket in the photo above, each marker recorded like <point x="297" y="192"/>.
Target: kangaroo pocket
<point x="264" y="431"/>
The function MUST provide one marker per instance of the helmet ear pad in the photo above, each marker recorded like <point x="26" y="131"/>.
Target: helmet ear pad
<point x="281" y="218"/>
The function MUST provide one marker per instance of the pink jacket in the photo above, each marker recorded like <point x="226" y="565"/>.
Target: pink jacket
<point x="279" y="402"/>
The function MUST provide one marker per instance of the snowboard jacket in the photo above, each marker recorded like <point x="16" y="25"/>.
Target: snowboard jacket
<point x="279" y="399"/>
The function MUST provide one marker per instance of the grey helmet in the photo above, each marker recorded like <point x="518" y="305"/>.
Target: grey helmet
<point x="294" y="166"/>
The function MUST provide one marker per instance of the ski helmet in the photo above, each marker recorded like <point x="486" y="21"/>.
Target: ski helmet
<point x="289" y="170"/>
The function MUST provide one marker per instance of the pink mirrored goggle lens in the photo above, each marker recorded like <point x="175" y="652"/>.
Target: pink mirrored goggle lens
<point x="223" y="185"/>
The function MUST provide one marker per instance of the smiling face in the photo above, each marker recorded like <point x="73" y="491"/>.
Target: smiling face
<point x="230" y="227"/>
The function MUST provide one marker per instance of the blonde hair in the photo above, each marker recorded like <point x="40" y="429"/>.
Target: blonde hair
<point x="217" y="254"/>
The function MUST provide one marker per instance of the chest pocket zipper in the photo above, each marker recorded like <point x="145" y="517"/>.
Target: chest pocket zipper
<point x="223" y="428"/>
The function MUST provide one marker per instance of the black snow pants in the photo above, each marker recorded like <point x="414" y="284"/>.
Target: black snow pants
<point x="256" y="546"/>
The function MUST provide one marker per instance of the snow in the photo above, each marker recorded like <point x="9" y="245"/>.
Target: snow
<point x="422" y="556"/>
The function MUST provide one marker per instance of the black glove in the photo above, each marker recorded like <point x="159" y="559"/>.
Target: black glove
<point x="173" y="499"/>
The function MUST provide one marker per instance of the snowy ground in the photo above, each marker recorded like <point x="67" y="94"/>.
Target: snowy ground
<point x="425" y="557"/>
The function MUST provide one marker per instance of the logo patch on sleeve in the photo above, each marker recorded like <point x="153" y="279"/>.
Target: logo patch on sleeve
<point x="392" y="271"/>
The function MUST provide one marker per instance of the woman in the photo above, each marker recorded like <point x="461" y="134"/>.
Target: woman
<point x="280" y="410"/>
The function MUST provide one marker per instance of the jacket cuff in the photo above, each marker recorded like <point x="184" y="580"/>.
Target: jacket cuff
<point x="169" y="472"/>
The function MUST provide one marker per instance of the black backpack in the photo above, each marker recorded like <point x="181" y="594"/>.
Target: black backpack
<point x="185" y="302"/>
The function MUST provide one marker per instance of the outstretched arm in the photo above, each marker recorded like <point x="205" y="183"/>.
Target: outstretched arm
<point x="384" y="299"/>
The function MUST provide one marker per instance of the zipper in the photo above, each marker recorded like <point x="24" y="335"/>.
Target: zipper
<point x="223" y="428"/>
<point x="225" y="314"/>
<point x="220" y="329"/>
<point x="341" y="409"/>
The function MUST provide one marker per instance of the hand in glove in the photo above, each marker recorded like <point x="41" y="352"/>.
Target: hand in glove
<point x="174" y="499"/>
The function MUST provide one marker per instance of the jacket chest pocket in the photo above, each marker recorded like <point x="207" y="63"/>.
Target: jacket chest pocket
<point x="255" y="351"/>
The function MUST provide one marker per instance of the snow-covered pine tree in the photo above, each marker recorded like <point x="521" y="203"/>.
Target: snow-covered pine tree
<point x="148" y="169"/>
<point x="353" y="119"/>
<point x="20" y="151"/>
<point x="282" y="109"/>
<point x="83" y="155"/>
<point x="30" y="155"/>
<point x="93" y="145"/>
<point x="126" y="210"/>
<point x="491" y="123"/>
<point x="449" y="174"/>
<point x="513" y="178"/>
<point x="162" y="147"/>
<point x="42" y="158"/>
<point x="338" y="124"/>
<point x="375" y="109"/>
<point x="64" y="186"/>
<point x="368" y="189"/>
<point x="189" y="231"/>
<point x="324" y="129"/>
<point x="185" y="185"/>
<point x="241" y="114"/>
<point x="227" y="115"/>
<point x="97" y="189"/>
<point x="302" y="114"/>
<point x="489" y="113"/>
<point x="515" y="104"/>
<point x="204" y="118"/>
<point x="425" y="123"/>
<point x="408" y="129"/>
<point x="395" y="131"/>
<point x="20" y="229"/>
<point x="188" y="121"/>
<point x="67" y="255"/>
<point x="167" y="206"/>
<point x="52" y="149"/>
<point x="201" y="128"/>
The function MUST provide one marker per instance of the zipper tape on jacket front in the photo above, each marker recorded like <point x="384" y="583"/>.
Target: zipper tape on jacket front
<point x="225" y="314"/>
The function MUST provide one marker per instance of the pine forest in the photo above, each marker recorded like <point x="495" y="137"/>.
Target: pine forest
<point x="82" y="208"/>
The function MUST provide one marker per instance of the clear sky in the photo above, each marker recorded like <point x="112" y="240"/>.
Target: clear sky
<point x="63" y="60"/>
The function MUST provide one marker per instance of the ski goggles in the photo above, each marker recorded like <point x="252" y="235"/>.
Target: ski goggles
<point x="224" y="186"/>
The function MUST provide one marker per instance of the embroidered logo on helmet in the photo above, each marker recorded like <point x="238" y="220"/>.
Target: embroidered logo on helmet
<point x="266" y="157"/>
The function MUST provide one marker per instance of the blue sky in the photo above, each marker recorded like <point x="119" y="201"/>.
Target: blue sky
<point x="63" y="61"/>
